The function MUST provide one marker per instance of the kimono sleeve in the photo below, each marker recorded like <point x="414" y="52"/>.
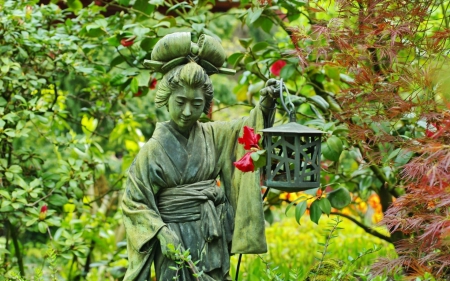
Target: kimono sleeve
<point x="140" y="214"/>
<point x="244" y="190"/>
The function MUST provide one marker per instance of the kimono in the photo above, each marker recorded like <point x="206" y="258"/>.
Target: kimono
<point x="172" y="182"/>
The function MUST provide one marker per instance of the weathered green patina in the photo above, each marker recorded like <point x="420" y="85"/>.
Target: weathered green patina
<point x="172" y="196"/>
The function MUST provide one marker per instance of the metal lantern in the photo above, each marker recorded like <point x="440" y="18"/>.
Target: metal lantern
<point x="293" y="155"/>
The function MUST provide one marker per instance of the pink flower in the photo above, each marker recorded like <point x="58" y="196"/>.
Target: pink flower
<point x="249" y="139"/>
<point x="276" y="68"/>
<point x="245" y="164"/>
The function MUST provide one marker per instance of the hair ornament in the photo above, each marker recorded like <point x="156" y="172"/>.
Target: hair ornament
<point x="177" y="49"/>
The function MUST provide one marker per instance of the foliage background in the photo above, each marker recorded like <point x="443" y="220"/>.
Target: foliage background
<point x="76" y="105"/>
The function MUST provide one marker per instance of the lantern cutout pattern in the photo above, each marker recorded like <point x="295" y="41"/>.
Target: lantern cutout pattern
<point x="293" y="154"/>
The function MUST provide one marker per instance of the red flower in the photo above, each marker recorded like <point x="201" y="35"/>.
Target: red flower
<point x="153" y="83"/>
<point x="249" y="139"/>
<point x="127" y="42"/>
<point x="245" y="164"/>
<point x="433" y="131"/>
<point x="276" y="68"/>
<point x="138" y="93"/>
<point x="43" y="213"/>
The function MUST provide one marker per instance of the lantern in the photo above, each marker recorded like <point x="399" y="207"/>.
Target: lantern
<point x="293" y="155"/>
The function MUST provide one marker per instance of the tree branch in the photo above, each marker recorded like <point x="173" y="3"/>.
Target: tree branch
<point x="367" y="229"/>
<point x="15" y="240"/>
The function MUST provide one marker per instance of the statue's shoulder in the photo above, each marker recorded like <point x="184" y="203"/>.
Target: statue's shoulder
<point x="155" y="140"/>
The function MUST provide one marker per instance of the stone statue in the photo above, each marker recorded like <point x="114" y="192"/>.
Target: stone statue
<point x="172" y="194"/>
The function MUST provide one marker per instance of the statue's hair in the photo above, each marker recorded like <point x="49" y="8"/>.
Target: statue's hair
<point x="189" y="75"/>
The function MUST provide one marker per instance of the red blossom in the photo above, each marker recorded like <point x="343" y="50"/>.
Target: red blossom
<point x="276" y="68"/>
<point x="245" y="164"/>
<point x="249" y="139"/>
<point x="43" y="213"/>
<point x="434" y="130"/>
<point x="127" y="42"/>
<point x="153" y="83"/>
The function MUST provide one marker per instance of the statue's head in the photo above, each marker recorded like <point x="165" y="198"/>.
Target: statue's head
<point x="185" y="76"/>
<point x="186" y="88"/>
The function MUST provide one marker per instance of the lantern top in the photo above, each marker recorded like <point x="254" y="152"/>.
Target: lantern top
<point x="292" y="127"/>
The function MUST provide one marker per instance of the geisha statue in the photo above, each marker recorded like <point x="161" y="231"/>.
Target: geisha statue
<point x="173" y="199"/>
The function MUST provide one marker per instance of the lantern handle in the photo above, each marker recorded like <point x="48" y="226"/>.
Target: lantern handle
<point x="291" y="112"/>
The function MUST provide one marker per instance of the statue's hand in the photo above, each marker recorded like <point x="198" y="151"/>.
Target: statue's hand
<point x="272" y="89"/>
<point x="167" y="237"/>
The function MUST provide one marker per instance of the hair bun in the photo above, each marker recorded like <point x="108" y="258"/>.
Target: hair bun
<point x="172" y="46"/>
<point x="211" y="50"/>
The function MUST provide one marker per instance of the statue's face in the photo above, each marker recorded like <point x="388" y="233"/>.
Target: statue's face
<point x="185" y="107"/>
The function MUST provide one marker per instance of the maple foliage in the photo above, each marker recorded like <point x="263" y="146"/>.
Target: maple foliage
<point x="390" y="61"/>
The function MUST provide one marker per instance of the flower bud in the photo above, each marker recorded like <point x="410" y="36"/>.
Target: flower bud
<point x="43" y="213"/>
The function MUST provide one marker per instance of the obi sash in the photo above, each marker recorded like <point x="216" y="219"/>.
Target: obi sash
<point x="203" y="201"/>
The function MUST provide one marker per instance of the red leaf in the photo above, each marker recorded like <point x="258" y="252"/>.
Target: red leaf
<point x="276" y="68"/>
<point x="245" y="164"/>
<point x="249" y="139"/>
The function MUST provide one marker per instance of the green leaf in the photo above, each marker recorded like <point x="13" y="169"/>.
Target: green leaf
<point x="254" y="156"/>
<point x="315" y="211"/>
<point x="143" y="78"/>
<point x="328" y="153"/>
<point x="118" y="80"/>
<point x="335" y="144"/>
<point x="145" y="7"/>
<point x="148" y="43"/>
<point x="287" y="71"/>
<point x="261" y="46"/>
<point x="253" y="14"/>
<point x="325" y="205"/>
<point x="124" y="2"/>
<point x="116" y="61"/>
<point x="114" y="41"/>
<point x="5" y="194"/>
<point x="57" y="200"/>
<point x="16" y="169"/>
<point x="31" y="222"/>
<point x="261" y="162"/>
<point x="365" y="183"/>
<point x="403" y="157"/>
<point x="3" y="102"/>
<point x="266" y="24"/>
<point x="320" y="102"/>
<point x="75" y="5"/>
<point x="311" y="192"/>
<point x="235" y="58"/>
<point x="134" y="86"/>
<point x="245" y="42"/>
<point x="339" y="198"/>
<point x="300" y="210"/>
<point x="393" y="154"/>
<point x="42" y="226"/>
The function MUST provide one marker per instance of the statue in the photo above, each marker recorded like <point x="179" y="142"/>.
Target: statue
<point x="172" y="194"/>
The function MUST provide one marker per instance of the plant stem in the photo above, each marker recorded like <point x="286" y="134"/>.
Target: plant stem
<point x="15" y="240"/>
